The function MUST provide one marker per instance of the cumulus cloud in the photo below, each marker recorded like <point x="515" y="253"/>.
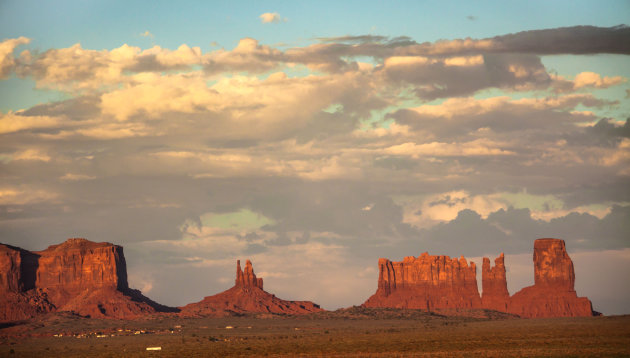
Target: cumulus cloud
<point x="7" y="60"/>
<point x="270" y="17"/>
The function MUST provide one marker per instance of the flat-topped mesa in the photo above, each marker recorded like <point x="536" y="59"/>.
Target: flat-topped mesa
<point x="79" y="275"/>
<point x="495" y="294"/>
<point x="426" y="282"/>
<point x="553" y="293"/>
<point x="78" y="264"/>
<point x="246" y="296"/>
<point x="248" y="277"/>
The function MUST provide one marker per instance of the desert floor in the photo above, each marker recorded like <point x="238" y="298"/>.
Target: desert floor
<point x="352" y="332"/>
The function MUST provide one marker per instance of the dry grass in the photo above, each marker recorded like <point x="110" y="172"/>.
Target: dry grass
<point x="344" y="333"/>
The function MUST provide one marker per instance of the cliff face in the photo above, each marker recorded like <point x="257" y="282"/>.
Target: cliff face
<point x="553" y="293"/>
<point x="70" y="268"/>
<point x="78" y="275"/>
<point x="495" y="294"/>
<point x="17" y="269"/>
<point x="439" y="282"/>
<point x="247" y="296"/>
<point x="426" y="282"/>
<point x="10" y="263"/>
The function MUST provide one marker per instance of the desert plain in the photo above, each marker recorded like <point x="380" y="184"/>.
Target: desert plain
<point x="350" y="332"/>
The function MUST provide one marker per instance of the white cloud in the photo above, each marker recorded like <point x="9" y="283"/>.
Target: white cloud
<point x="592" y="79"/>
<point x="270" y="17"/>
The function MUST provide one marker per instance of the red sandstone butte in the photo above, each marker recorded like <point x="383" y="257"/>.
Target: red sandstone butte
<point x="495" y="295"/>
<point x="81" y="276"/>
<point x="247" y="296"/>
<point x="553" y="293"/>
<point x="426" y="282"/>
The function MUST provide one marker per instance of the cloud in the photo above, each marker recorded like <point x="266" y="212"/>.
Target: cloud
<point x="146" y="34"/>
<point x="15" y="121"/>
<point x="271" y="17"/>
<point x="585" y="80"/>
<point x="513" y="230"/>
<point x="478" y="147"/>
<point x="567" y="40"/>
<point x="31" y="155"/>
<point x="591" y="79"/>
<point x="76" y="177"/>
<point x="7" y="61"/>
<point x="25" y="195"/>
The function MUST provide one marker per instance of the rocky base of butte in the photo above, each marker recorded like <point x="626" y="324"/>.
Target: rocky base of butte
<point x="439" y="282"/>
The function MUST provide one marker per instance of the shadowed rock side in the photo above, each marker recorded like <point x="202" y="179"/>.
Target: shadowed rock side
<point x="18" y="298"/>
<point x="429" y="282"/>
<point x="247" y="296"/>
<point x="553" y="293"/>
<point x="494" y="294"/>
<point x="81" y="276"/>
<point x="426" y="282"/>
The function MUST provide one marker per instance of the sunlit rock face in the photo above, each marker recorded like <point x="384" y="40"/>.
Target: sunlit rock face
<point x="553" y="293"/>
<point x="79" y="275"/>
<point x="247" y="277"/>
<point x="77" y="265"/>
<point x="439" y="282"/>
<point x="426" y="282"/>
<point x="495" y="294"/>
<point x="247" y="296"/>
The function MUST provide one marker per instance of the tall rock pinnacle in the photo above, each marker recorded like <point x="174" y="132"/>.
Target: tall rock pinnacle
<point x="494" y="285"/>
<point x="247" y="277"/>
<point x="553" y="293"/>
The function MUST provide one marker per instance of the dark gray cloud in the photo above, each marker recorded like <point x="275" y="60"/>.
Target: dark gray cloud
<point x="513" y="230"/>
<point x="578" y="40"/>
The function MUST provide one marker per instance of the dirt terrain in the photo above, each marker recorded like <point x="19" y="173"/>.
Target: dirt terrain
<point x="353" y="332"/>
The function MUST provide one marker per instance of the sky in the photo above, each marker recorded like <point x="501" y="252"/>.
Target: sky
<point x="316" y="137"/>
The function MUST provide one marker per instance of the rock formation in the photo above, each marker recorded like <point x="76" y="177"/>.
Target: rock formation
<point x="494" y="294"/>
<point x="81" y="276"/>
<point x="247" y="296"/>
<point x="18" y="297"/>
<point x="553" y="293"/>
<point x="426" y="282"/>
<point x="439" y="282"/>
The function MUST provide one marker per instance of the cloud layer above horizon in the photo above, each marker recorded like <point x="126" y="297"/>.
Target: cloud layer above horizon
<point x="316" y="160"/>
